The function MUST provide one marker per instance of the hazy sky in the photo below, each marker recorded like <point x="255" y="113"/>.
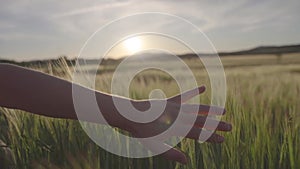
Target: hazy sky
<point x="35" y="29"/>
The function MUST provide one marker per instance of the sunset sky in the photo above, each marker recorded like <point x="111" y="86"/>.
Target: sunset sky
<point x="34" y="29"/>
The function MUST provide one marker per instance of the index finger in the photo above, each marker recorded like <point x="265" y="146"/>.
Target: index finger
<point x="203" y="109"/>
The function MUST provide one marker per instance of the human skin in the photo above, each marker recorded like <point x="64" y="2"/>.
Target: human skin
<point x="46" y="95"/>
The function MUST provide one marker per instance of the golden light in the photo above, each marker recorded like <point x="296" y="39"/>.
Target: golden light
<point x="133" y="44"/>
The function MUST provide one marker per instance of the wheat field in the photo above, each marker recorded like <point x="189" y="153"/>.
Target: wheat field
<point x="262" y="105"/>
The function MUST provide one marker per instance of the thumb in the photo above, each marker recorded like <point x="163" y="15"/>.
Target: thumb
<point x="184" y="97"/>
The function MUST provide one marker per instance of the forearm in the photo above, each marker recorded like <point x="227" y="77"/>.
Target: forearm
<point x="42" y="94"/>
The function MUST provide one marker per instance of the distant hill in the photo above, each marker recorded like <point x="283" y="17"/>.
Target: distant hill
<point x="273" y="50"/>
<point x="266" y="50"/>
<point x="261" y="50"/>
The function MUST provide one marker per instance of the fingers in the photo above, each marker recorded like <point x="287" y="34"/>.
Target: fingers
<point x="171" y="153"/>
<point x="194" y="133"/>
<point x="216" y="138"/>
<point x="174" y="155"/>
<point x="203" y="109"/>
<point x="206" y="122"/>
<point x="184" y="97"/>
<point x="210" y="125"/>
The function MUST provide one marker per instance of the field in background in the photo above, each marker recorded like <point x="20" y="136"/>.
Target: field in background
<point x="262" y="104"/>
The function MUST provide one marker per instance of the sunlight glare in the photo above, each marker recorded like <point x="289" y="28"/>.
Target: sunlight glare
<point x="133" y="44"/>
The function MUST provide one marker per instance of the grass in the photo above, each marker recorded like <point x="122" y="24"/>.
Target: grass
<point x="262" y="104"/>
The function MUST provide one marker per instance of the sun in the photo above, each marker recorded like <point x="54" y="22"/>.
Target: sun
<point x="133" y="45"/>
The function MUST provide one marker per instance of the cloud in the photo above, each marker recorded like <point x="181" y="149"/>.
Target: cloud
<point x="94" y="8"/>
<point x="66" y="24"/>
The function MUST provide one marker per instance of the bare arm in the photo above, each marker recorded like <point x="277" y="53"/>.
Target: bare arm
<point x="46" y="95"/>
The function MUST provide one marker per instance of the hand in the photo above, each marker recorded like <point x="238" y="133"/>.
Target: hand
<point x="53" y="97"/>
<point x="169" y="115"/>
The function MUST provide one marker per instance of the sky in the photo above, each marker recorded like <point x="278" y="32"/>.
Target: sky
<point x="34" y="29"/>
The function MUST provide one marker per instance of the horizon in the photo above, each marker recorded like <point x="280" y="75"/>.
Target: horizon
<point x="155" y="53"/>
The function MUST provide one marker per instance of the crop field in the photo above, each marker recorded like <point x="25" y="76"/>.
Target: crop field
<point x="262" y="105"/>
